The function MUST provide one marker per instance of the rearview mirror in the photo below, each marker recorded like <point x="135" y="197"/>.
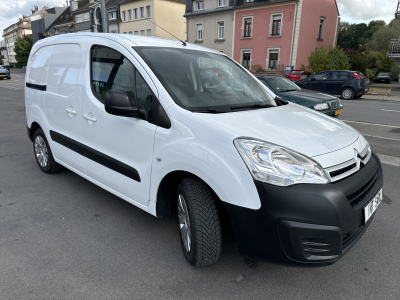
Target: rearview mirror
<point x="117" y="103"/>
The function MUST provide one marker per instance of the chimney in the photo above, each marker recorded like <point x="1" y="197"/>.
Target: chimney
<point x="73" y="5"/>
<point x="36" y="8"/>
<point x="33" y="11"/>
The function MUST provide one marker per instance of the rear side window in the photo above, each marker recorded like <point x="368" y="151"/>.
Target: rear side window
<point x="339" y="75"/>
<point x="296" y="72"/>
<point x="113" y="71"/>
<point x="322" y="76"/>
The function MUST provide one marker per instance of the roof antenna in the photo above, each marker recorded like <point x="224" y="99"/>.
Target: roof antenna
<point x="183" y="43"/>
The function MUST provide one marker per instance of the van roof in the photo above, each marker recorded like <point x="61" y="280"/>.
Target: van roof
<point x="127" y="39"/>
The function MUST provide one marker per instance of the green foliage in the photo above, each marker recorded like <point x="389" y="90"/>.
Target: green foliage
<point x="379" y="62"/>
<point x="22" y="49"/>
<point x="370" y="74"/>
<point x="381" y="37"/>
<point x="355" y="35"/>
<point x="257" y="69"/>
<point x="303" y="67"/>
<point x="328" y="59"/>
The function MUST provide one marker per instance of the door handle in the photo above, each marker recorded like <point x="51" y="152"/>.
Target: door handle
<point x="71" y="111"/>
<point x="89" y="118"/>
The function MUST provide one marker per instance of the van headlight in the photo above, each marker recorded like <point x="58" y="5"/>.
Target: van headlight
<point x="277" y="165"/>
<point x="321" y="106"/>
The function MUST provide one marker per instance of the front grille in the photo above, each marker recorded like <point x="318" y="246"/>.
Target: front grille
<point x="344" y="170"/>
<point x="362" y="193"/>
<point x="334" y="104"/>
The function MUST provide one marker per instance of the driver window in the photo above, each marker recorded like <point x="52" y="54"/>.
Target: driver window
<point x="322" y="76"/>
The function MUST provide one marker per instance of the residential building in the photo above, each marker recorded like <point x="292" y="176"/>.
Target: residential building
<point x="20" y="28"/>
<point x="63" y="24"/>
<point x="210" y="24"/>
<point x="40" y="25"/>
<point x="3" y="53"/>
<point x="282" y="33"/>
<point x="139" y="16"/>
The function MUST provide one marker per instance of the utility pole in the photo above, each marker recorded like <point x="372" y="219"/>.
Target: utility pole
<point x="103" y="16"/>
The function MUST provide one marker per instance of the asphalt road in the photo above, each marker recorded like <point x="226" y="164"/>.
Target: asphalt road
<point x="62" y="237"/>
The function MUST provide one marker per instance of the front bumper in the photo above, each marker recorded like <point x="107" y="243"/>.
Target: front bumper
<point x="331" y="112"/>
<point x="307" y="224"/>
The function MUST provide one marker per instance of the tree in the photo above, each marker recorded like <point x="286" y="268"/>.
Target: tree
<point x="22" y="50"/>
<point x="355" y="35"/>
<point x="328" y="59"/>
<point x="381" y="38"/>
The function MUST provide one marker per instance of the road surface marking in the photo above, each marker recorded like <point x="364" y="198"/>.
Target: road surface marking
<point x="366" y="123"/>
<point x="379" y="137"/>
<point x="17" y="75"/>
<point x="390" y="110"/>
<point x="389" y="160"/>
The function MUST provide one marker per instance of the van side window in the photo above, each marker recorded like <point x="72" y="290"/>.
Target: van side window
<point x="144" y="95"/>
<point x="111" y="70"/>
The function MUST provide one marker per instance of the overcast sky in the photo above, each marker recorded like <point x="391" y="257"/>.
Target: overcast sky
<point x="352" y="11"/>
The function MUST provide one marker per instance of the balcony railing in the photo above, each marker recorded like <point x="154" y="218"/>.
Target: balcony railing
<point x="394" y="48"/>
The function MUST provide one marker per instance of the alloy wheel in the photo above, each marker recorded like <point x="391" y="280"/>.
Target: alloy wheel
<point x="41" y="152"/>
<point x="184" y="223"/>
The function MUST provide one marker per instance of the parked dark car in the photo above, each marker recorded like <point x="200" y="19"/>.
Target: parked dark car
<point x="4" y="73"/>
<point x="348" y="84"/>
<point x="288" y="90"/>
<point x="383" y="77"/>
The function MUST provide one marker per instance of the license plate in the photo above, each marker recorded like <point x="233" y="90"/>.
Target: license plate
<point x="338" y="112"/>
<point x="383" y="80"/>
<point x="366" y="90"/>
<point x="372" y="206"/>
<point x="2" y="75"/>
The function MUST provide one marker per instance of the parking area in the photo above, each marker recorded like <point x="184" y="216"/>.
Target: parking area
<point x="63" y="237"/>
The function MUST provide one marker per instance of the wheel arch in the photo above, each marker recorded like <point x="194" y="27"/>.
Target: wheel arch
<point x="32" y="129"/>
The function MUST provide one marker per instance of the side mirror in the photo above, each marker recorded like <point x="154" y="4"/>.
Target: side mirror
<point x="117" y="103"/>
<point x="313" y="78"/>
<point x="280" y="101"/>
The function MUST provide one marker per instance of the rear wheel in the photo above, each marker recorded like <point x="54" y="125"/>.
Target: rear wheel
<point x="347" y="93"/>
<point x="43" y="154"/>
<point x="199" y="222"/>
<point x="357" y="97"/>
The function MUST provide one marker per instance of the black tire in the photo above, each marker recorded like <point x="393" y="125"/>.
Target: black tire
<point x="357" y="97"/>
<point x="204" y="222"/>
<point x="51" y="166"/>
<point x="347" y="93"/>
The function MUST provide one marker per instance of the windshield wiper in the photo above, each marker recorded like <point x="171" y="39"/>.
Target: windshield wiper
<point x="288" y="91"/>
<point x="210" y="111"/>
<point x="255" y="106"/>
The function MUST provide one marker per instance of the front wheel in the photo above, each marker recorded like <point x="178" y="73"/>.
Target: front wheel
<point x="199" y="222"/>
<point x="347" y="94"/>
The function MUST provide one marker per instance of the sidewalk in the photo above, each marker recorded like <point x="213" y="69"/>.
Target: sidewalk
<point x="380" y="97"/>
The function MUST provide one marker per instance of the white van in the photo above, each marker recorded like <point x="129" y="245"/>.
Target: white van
<point x="175" y="128"/>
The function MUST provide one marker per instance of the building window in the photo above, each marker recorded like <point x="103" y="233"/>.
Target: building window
<point x="142" y="12"/>
<point x="247" y="27"/>
<point x="199" y="32"/>
<point x="248" y="1"/>
<point x="112" y="15"/>
<point x="57" y="31"/>
<point x="137" y="32"/>
<point x="124" y="16"/>
<point x="148" y="11"/>
<point x="221" y="3"/>
<point x="78" y="18"/>
<point x="246" y="59"/>
<point x="130" y="14"/>
<point x="276" y="24"/>
<point x="273" y="60"/>
<point x="221" y="30"/>
<point x="125" y="33"/>
<point x="321" y="29"/>
<point x="136" y="13"/>
<point x="130" y="32"/>
<point x="200" y="5"/>
<point x="142" y="32"/>
<point x="148" y="32"/>
<point x="86" y="16"/>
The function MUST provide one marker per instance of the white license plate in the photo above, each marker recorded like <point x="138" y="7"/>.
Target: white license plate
<point x="372" y="206"/>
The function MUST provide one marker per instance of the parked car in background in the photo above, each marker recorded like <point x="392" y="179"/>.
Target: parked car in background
<point x="348" y="84"/>
<point x="288" y="90"/>
<point x="297" y="74"/>
<point x="4" y="73"/>
<point x="6" y="67"/>
<point x="383" y="77"/>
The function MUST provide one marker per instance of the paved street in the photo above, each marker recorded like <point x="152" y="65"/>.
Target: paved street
<point x="63" y="237"/>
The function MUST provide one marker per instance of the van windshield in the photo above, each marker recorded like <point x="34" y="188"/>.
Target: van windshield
<point x="203" y="81"/>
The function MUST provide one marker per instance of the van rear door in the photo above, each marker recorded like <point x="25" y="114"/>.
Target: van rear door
<point x="63" y="100"/>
